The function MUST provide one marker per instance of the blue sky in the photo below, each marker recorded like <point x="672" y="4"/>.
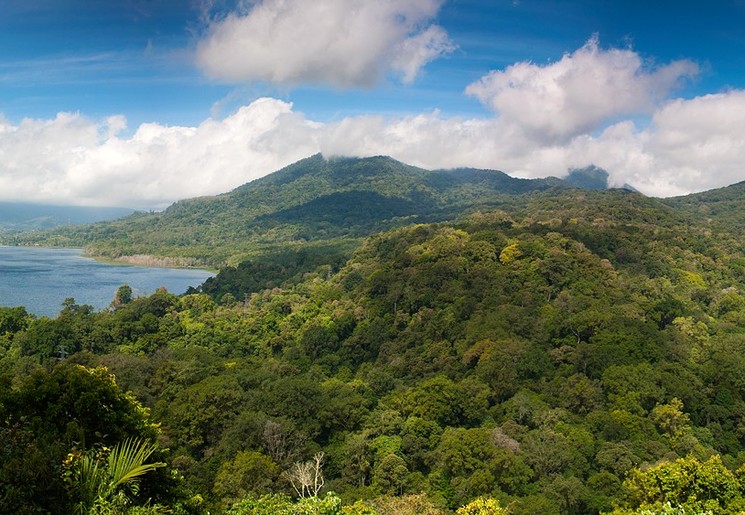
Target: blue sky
<point x="143" y="102"/>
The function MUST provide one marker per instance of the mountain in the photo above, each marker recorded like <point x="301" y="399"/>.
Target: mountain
<point x="23" y="216"/>
<point x="558" y="349"/>
<point x="315" y="201"/>
<point x="589" y="178"/>
<point x="567" y="354"/>
<point x="592" y="178"/>
<point x="722" y="208"/>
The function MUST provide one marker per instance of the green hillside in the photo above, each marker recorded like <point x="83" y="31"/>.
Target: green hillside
<point x="314" y="201"/>
<point x="722" y="208"/>
<point x="398" y="341"/>
<point x="582" y="353"/>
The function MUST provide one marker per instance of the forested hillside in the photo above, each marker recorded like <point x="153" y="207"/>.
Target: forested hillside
<point x="722" y="208"/>
<point x="579" y="352"/>
<point x="316" y="203"/>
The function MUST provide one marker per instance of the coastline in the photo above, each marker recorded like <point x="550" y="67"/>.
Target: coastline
<point x="144" y="260"/>
<point x="151" y="261"/>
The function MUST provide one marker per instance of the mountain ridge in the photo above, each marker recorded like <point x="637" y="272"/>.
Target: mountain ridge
<point x="25" y="216"/>
<point x="326" y="203"/>
<point x="312" y="200"/>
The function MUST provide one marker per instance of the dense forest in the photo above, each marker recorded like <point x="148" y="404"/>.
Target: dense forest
<point x="569" y="351"/>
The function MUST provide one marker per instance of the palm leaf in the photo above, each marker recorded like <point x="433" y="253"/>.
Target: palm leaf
<point x="97" y="483"/>
<point x="127" y="461"/>
<point x="90" y="482"/>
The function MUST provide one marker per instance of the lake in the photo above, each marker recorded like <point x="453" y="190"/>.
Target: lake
<point x="41" y="278"/>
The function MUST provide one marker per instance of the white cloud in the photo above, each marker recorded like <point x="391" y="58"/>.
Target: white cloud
<point x="576" y="94"/>
<point x="416" y="51"/>
<point x="687" y="145"/>
<point x="690" y="145"/>
<point x="698" y="143"/>
<point x="74" y="160"/>
<point x="339" y="42"/>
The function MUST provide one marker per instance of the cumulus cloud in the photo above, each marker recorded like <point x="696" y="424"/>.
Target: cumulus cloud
<point x="684" y="145"/>
<point x="339" y="42"/>
<point x="698" y="143"/>
<point x="577" y="93"/>
<point x="74" y="160"/>
<point x="691" y="145"/>
<point x="416" y="51"/>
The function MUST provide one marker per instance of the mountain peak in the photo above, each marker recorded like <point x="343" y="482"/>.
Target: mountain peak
<point x="589" y="178"/>
<point x="319" y="199"/>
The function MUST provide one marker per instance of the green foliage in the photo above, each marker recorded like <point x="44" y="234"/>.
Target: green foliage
<point x="97" y="487"/>
<point x="412" y="504"/>
<point x="358" y="508"/>
<point x="274" y="504"/>
<point x="561" y="355"/>
<point x="687" y="485"/>
<point x="122" y="296"/>
<point x="50" y="414"/>
<point x="482" y="506"/>
<point x="272" y="269"/>
<point x="13" y="320"/>
<point x="76" y="404"/>
<point x="509" y="254"/>
<point x="249" y="472"/>
<point x="390" y="474"/>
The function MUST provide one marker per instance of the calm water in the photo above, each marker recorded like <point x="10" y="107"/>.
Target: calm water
<point x="40" y="279"/>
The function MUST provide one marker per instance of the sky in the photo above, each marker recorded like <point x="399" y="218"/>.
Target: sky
<point x="139" y="103"/>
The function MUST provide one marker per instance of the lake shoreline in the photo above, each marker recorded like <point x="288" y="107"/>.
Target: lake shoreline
<point x="142" y="260"/>
<point x="41" y="278"/>
<point x="150" y="261"/>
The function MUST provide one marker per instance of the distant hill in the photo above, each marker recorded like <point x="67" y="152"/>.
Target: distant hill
<point x="311" y="202"/>
<point x="722" y="207"/>
<point x="592" y="178"/>
<point x="589" y="178"/>
<point x="315" y="203"/>
<point x="23" y="216"/>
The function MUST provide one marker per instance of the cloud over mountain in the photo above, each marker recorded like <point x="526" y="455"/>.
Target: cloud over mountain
<point x="685" y="145"/>
<point x="86" y="162"/>
<point x="344" y="43"/>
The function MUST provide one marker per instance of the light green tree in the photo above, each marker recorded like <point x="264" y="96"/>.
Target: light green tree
<point x="482" y="506"/>
<point x="686" y="485"/>
<point x="249" y="472"/>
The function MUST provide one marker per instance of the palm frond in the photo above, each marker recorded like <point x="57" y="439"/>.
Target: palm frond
<point x="92" y="481"/>
<point x="127" y="461"/>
